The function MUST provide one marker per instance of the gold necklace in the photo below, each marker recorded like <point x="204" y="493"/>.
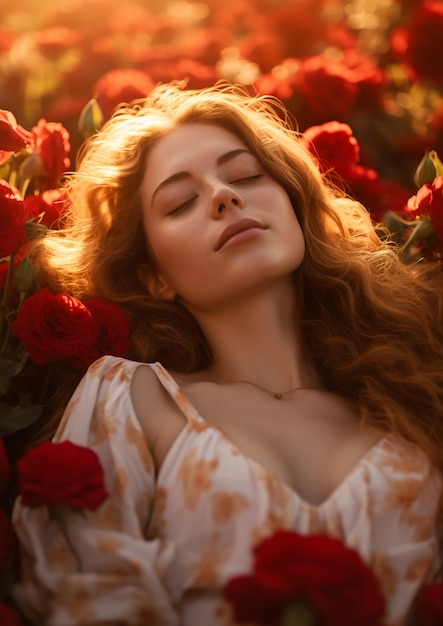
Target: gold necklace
<point x="278" y="395"/>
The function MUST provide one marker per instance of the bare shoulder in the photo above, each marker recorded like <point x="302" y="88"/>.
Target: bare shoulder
<point x="158" y="415"/>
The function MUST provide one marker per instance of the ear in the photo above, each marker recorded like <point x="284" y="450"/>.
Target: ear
<point x="159" y="288"/>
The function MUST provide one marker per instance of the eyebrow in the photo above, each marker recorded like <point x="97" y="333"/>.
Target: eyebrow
<point x="224" y="158"/>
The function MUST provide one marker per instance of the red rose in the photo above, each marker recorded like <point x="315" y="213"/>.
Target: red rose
<point x="418" y="43"/>
<point x="61" y="474"/>
<point x="12" y="220"/>
<point x="8" y="543"/>
<point x="8" y="617"/>
<point x="12" y="136"/>
<point x="370" y="79"/>
<point x="429" y="202"/>
<point x="430" y="605"/>
<point x="327" y="88"/>
<point x="55" y="328"/>
<point x="113" y="327"/>
<point x="376" y="194"/>
<point x="316" y="569"/>
<point x="7" y="39"/>
<point x="51" y="142"/>
<point x="5" y="469"/>
<point x="334" y="144"/>
<point x="52" y="42"/>
<point x="51" y="204"/>
<point x="121" y="85"/>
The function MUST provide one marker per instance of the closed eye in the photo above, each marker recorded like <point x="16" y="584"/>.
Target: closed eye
<point x="246" y="179"/>
<point x="182" y="207"/>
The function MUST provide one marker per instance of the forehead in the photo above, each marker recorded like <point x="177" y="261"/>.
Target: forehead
<point x="190" y="145"/>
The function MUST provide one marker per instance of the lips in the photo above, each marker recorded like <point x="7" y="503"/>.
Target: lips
<point x="236" y="227"/>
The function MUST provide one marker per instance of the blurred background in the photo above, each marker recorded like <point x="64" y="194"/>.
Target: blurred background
<point x="376" y="65"/>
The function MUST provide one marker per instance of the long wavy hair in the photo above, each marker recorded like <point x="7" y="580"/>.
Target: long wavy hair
<point x="372" y="325"/>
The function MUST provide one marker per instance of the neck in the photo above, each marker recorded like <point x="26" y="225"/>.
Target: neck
<point x="258" y="341"/>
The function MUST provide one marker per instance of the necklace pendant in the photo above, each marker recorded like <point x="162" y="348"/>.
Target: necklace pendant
<point x="277" y="396"/>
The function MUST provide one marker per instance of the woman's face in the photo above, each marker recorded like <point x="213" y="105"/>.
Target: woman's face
<point x="216" y="223"/>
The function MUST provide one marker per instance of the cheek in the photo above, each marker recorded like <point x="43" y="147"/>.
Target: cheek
<point x="174" y="255"/>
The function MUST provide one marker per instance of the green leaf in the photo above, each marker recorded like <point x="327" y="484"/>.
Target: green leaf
<point x="91" y="119"/>
<point x="5" y="170"/>
<point x="25" y="276"/>
<point x="437" y="163"/>
<point x="396" y="225"/>
<point x="13" y="418"/>
<point x="298" y="613"/>
<point x="426" y="170"/>
<point x="423" y="230"/>
<point x="9" y="368"/>
<point x="34" y="230"/>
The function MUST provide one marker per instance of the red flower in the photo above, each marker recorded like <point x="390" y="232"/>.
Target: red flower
<point x="8" y="543"/>
<point x="113" y="326"/>
<point x="328" y="89"/>
<point x="7" y="39"/>
<point x="52" y="42"/>
<point x="12" y="136"/>
<point x="55" y="328"/>
<point x="316" y="569"/>
<point x="8" y="617"/>
<point x="61" y="474"/>
<point x="430" y="605"/>
<point x="51" y="142"/>
<point x="51" y="204"/>
<point x="121" y="85"/>
<point x="334" y="144"/>
<point x="418" y="44"/>
<point x="429" y="202"/>
<point x="5" y="469"/>
<point x="12" y="220"/>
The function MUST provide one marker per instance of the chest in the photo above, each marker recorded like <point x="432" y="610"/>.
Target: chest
<point x="310" y="442"/>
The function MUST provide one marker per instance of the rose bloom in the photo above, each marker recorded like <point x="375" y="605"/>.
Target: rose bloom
<point x="52" y="42"/>
<point x="4" y="269"/>
<point x="5" y="469"/>
<point x="61" y="474"/>
<point x="121" y="85"/>
<point x="51" y="205"/>
<point x="419" y="43"/>
<point x="429" y="202"/>
<point x="335" y="146"/>
<point x="429" y="610"/>
<point x="327" y="88"/>
<point x="197" y="74"/>
<point x="264" y="47"/>
<point x="8" y="543"/>
<point x="378" y="195"/>
<point x="7" y="39"/>
<point x="319" y="570"/>
<point x="279" y="86"/>
<point x="12" y="220"/>
<point x="12" y="136"/>
<point x="113" y="328"/>
<point x="55" y="328"/>
<point x="371" y="80"/>
<point x="300" y="31"/>
<point x="51" y="143"/>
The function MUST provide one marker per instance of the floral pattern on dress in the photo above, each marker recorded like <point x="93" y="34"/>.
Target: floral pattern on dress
<point x="159" y="550"/>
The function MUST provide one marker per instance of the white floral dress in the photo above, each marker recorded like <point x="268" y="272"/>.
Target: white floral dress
<point x="158" y="551"/>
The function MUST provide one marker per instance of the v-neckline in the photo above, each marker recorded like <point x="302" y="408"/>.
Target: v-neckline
<point x="184" y="404"/>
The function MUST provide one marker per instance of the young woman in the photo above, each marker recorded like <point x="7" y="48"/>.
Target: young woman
<point x="286" y="370"/>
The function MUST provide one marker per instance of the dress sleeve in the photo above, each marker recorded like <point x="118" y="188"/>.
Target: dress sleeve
<point x="108" y="573"/>
<point x="406" y="516"/>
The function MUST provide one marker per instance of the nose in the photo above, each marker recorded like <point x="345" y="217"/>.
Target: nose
<point x="225" y="198"/>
